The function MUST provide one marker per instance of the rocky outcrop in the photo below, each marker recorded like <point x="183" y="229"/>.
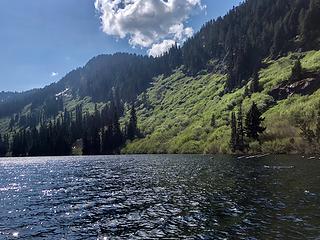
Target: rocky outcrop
<point x="306" y="86"/>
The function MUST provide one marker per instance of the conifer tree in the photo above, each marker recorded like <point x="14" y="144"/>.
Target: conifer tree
<point x="104" y="141"/>
<point x="254" y="86"/>
<point x="253" y="123"/>
<point x="132" y="126"/>
<point x="6" y="142"/>
<point x="107" y="141"/>
<point x="85" y="144"/>
<point x="233" y="140"/>
<point x="35" y="148"/>
<point x="96" y="143"/>
<point x="296" y="72"/>
<point x="3" y="147"/>
<point x="117" y="136"/>
<point x="213" y="120"/>
<point x="240" y="131"/>
<point x="246" y="92"/>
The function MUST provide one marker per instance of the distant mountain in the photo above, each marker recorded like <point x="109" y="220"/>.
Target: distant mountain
<point x="125" y="75"/>
<point x="5" y="96"/>
<point x="234" y="44"/>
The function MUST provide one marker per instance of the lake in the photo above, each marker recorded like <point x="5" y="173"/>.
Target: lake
<point x="160" y="196"/>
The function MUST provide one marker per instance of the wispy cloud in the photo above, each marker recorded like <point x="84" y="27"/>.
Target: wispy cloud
<point x="152" y="24"/>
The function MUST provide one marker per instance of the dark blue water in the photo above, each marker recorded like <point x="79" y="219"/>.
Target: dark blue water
<point x="170" y="197"/>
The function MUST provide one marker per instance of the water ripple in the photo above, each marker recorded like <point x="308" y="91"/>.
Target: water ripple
<point x="154" y="197"/>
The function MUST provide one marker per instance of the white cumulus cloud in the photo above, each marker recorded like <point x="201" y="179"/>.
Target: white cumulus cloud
<point x="158" y="49"/>
<point x="152" y="24"/>
<point x="53" y="74"/>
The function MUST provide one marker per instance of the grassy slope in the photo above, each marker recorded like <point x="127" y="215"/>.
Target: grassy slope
<point x="175" y="113"/>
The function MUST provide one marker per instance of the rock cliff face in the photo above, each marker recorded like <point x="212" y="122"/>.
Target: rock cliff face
<point x="308" y="85"/>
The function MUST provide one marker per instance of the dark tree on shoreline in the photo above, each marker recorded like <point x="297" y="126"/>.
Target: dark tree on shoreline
<point x="3" y="146"/>
<point x="100" y="134"/>
<point x="132" y="129"/>
<point x="253" y="123"/>
<point x="252" y="129"/>
<point x="240" y="131"/>
<point x="237" y="142"/>
<point x="233" y="140"/>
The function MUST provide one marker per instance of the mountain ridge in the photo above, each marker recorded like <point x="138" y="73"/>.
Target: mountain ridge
<point x="236" y="47"/>
<point x="216" y="40"/>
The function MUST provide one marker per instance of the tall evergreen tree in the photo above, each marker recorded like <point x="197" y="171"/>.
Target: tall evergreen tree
<point x="85" y="144"/>
<point x="240" y="130"/>
<point x="254" y="86"/>
<point x="117" y="136"/>
<point x="104" y="142"/>
<point x="246" y="92"/>
<point x="3" y="147"/>
<point x="233" y="140"/>
<point x="213" y="120"/>
<point x="132" y="126"/>
<point x="96" y="143"/>
<point x="107" y="141"/>
<point x="253" y="123"/>
<point x="296" y="72"/>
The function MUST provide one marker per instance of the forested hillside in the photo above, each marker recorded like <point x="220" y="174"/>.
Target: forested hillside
<point x="183" y="114"/>
<point x="262" y="51"/>
<point x="252" y="32"/>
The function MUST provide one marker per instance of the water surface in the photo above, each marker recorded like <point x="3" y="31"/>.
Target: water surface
<point x="143" y="197"/>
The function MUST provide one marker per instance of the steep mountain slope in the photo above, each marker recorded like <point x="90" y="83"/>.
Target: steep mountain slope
<point x="176" y="112"/>
<point x="126" y="74"/>
<point x="208" y="75"/>
<point x="250" y="33"/>
<point x="234" y="44"/>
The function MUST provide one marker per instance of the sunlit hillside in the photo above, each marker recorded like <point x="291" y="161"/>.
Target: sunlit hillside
<point x="175" y="114"/>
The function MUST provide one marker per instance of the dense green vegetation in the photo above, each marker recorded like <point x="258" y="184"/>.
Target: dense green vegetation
<point x="234" y="44"/>
<point x="206" y="96"/>
<point x="250" y="33"/>
<point x="93" y="134"/>
<point x="176" y="112"/>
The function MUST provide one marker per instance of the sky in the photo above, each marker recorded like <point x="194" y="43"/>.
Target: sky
<point x="42" y="40"/>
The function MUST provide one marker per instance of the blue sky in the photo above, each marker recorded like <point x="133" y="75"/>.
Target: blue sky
<point x="42" y="40"/>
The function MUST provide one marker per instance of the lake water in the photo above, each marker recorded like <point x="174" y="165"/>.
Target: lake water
<point x="143" y="197"/>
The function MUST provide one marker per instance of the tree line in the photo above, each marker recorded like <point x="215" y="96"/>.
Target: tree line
<point x="98" y="133"/>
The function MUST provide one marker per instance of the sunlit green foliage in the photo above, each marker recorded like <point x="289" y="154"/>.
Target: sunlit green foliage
<point x="176" y="112"/>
